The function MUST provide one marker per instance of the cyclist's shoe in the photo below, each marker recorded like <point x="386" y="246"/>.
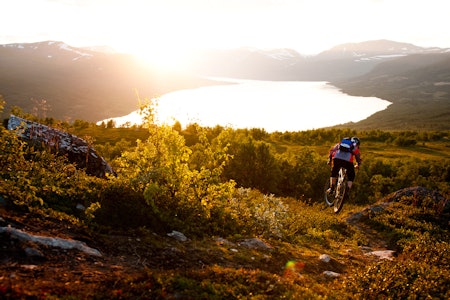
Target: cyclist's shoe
<point x="330" y="190"/>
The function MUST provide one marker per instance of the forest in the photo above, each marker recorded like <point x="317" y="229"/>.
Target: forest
<point x="236" y="183"/>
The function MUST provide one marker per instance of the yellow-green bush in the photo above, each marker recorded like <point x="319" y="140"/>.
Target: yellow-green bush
<point x="40" y="179"/>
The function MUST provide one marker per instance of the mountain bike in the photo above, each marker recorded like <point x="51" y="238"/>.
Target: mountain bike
<point x="337" y="198"/>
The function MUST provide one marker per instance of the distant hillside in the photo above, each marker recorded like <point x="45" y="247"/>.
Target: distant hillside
<point x="249" y="63"/>
<point x="418" y="86"/>
<point x="79" y="83"/>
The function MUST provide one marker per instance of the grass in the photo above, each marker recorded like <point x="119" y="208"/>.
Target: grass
<point x="429" y="150"/>
<point x="113" y="135"/>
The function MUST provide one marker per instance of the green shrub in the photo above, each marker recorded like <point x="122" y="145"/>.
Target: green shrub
<point x="38" y="178"/>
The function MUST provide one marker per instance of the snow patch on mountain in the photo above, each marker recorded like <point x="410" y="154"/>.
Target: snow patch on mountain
<point x="379" y="57"/>
<point x="282" y="54"/>
<point x="51" y="46"/>
<point x="64" y="46"/>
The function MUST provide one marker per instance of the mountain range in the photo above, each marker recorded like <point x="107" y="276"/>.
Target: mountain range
<point x="95" y="84"/>
<point x="81" y="84"/>
<point x="340" y="62"/>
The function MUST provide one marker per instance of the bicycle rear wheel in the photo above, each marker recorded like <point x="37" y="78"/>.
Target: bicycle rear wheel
<point x="329" y="199"/>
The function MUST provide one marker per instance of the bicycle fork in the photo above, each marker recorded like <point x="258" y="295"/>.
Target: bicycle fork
<point x="340" y="188"/>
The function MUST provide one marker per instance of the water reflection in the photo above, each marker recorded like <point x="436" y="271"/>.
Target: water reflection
<point x="272" y="105"/>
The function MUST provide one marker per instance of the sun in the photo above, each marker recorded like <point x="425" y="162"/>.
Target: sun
<point x="158" y="34"/>
<point x="169" y="57"/>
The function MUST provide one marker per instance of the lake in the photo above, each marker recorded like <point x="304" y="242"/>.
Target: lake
<point x="271" y="105"/>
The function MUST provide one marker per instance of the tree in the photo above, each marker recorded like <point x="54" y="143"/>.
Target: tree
<point x="253" y="165"/>
<point x="160" y="168"/>
<point x="110" y="124"/>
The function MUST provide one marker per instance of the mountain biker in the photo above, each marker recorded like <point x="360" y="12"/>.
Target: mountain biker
<point x="342" y="155"/>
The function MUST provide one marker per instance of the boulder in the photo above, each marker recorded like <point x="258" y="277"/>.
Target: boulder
<point x="418" y="194"/>
<point x="254" y="243"/>
<point x="48" y="241"/>
<point x="178" y="236"/>
<point x="78" y="151"/>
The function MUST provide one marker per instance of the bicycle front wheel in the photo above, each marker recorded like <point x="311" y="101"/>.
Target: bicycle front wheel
<point x="341" y="195"/>
<point x="339" y="202"/>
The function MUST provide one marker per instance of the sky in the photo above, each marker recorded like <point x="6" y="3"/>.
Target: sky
<point x="162" y="30"/>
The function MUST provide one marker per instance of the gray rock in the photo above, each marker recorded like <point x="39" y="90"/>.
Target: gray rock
<point x="331" y="274"/>
<point x="77" y="150"/>
<point x="178" y="236"/>
<point x="80" y="207"/>
<point x="325" y="258"/>
<point x="382" y="254"/>
<point x="49" y="241"/>
<point x="254" y="243"/>
<point x="34" y="253"/>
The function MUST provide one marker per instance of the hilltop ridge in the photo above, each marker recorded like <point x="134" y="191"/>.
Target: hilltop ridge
<point x="418" y="86"/>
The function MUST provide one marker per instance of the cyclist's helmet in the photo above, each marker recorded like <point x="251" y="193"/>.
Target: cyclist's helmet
<point x="356" y="141"/>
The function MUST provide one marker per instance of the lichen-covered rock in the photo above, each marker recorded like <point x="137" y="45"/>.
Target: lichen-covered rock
<point x="421" y="196"/>
<point x="78" y="151"/>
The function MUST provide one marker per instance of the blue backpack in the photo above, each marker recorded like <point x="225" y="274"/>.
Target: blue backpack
<point x="346" y="145"/>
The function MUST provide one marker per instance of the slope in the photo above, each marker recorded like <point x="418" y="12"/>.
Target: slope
<point x="142" y="264"/>
<point x="417" y="85"/>
<point x="80" y="84"/>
